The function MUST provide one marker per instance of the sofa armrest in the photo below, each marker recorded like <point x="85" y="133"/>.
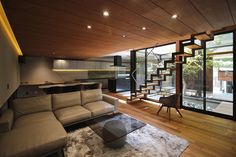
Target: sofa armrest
<point x="6" y="120"/>
<point x="110" y="99"/>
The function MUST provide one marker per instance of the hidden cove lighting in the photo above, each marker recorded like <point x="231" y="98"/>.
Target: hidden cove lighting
<point x="7" y="28"/>
<point x="82" y="70"/>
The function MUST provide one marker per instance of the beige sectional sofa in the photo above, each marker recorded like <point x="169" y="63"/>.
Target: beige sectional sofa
<point x="34" y="126"/>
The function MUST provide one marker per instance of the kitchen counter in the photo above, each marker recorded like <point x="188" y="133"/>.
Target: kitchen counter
<point x="119" y="84"/>
<point x="66" y="84"/>
<point x="30" y="90"/>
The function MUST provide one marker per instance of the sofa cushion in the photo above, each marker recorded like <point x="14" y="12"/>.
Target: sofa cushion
<point x="34" y="118"/>
<point x="33" y="140"/>
<point x="72" y="114"/>
<point x="6" y="120"/>
<point x="65" y="100"/>
<point x="110" y="99"/>
<point x="91" y="96"/>
<point x="99" y="107"/>
<point x="23" y="106"/>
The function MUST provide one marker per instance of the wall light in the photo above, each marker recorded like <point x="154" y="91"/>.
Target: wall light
<point x="7" y="28"/>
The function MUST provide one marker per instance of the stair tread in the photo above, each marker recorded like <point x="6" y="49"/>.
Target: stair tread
<point x="179" y="62"/>
<point x="145" y="89"/>
<point x="138" y="96"/>
<point x="193" y="46"/>
<point x="157" y="79"/>
<point x="160" y="79"/>
<point x="138" y="92"/>
<point x="167" y="74"/>
<point x="204" y="37"/>
<point x="150" y="84"/>
<point x="185" y="54"/>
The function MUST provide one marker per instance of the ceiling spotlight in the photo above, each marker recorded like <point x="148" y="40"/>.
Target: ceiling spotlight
<point x="174" y="16"/>
<point x="123" y="35"/>
<point x="89" y="27"/>
<point x="105" y="13"/>
<point x="144" y="28"/>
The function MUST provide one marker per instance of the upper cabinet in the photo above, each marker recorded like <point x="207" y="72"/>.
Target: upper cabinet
<point x="60" y="65"/>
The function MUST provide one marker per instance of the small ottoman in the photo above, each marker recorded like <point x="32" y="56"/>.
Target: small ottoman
<point x="114" y="134"/>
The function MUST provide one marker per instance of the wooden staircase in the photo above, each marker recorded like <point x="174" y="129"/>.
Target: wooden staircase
<point x="177" y="58"/>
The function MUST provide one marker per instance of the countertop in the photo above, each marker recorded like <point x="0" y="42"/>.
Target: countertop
<point x="66" y="84"/>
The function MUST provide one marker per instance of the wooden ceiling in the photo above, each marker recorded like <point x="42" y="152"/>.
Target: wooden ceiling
<point x="58" y="28"/>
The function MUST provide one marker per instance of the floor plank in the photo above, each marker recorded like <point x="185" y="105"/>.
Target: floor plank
<point x="208" y="135"/>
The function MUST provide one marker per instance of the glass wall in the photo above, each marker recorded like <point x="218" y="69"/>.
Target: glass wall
<point x="155" y="60"/>
<point x="219" y="75"/>
<point x="208" y="80"/>
<point x="140" y="68"/>
<point x="193" y="81"/>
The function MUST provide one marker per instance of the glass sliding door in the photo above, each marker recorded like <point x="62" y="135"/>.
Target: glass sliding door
<point x="208" y="77"/>
<point x="219" y="74"/>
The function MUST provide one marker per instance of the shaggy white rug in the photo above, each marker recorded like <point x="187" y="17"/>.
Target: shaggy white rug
<point x="145" y="142"/>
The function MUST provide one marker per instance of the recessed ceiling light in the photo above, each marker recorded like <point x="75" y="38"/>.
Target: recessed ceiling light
<point x="105" y="13"/>
<point x="89" y="26"/>
<point x="144" y="28"/>
<point x="123" y="35"/>
<point x="174" y="16"/>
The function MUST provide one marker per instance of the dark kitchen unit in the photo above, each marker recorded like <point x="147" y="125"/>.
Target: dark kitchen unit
<point x="119" y="84"/>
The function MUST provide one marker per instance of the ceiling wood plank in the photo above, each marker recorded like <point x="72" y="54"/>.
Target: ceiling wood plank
<point x="149" y="10"/>
<point x="232" y="9"/>
<point x="186" y="13"/>
<point x="58" y="28"/>
<point x="216" y="11"/>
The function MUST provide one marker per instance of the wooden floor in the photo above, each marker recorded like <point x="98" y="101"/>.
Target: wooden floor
<point x="209" y="136"/>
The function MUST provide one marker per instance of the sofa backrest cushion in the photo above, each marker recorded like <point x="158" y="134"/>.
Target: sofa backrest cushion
<point x="91" y="95"/>
<point x="63" y="100"/>
<point x="23" y="106"/>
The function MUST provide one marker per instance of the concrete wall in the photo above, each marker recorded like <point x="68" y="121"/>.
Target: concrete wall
<point x="9" y="68"/>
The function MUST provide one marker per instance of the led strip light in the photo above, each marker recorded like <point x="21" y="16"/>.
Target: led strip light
<point x="7" y="28"/>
